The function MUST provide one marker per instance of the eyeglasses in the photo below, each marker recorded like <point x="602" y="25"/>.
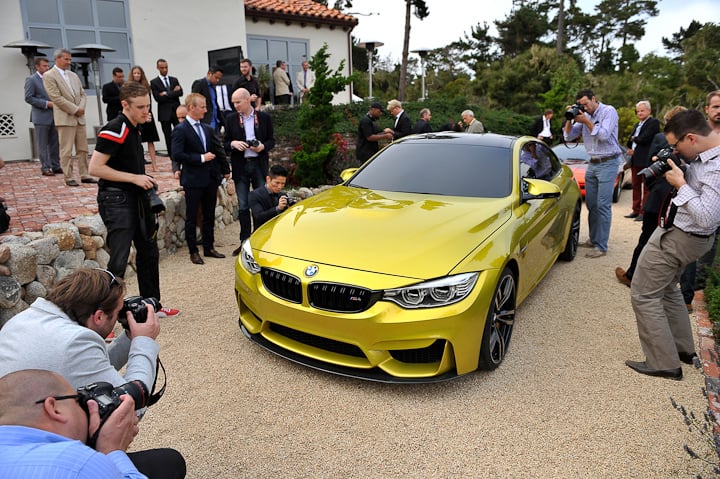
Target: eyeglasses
<point x="674" y="146"/>
<point x="60" y="398"/>
<point x="113" y="279"/>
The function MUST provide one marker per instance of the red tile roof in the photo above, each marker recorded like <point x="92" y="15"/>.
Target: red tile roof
<point x="299" y="11"/>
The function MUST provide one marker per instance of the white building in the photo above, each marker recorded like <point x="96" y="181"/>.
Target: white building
<point x="183" y="32"/>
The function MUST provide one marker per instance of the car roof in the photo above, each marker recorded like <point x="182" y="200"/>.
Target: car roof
<point x="479" y="139"/>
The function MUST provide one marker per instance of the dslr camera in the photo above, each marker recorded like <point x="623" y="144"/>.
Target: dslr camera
<point x="253" y="142"/>
<point x="661" y="166"/>
<point x="137" y="305"/>
<point x="156" y="204"/>
<point x="574" y="111"/>
<point x="291" y="200"/>
<point x="108" y="399"/>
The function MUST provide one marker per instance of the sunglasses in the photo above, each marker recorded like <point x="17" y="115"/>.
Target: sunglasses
<point x="60" y="398"/>
<point x="113" y="279"/>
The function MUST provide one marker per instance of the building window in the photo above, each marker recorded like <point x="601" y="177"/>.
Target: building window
<point x="7" y="125"/>
<point x="68" y="23"/>
<point x="264" y="52"/>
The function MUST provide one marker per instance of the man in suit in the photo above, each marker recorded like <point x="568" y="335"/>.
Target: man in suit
<point x="639" y="145"/>
<point x="542" y="127"/>
<point x="266" y="202"/>
<point x="423" y="124"/>
<point x="249" y="136"/>
<point x="41" y="115"/>
<point x="305" y="80"/>
<point x="68" y="97"/>
<point x="283" y="85"/>
<point x="111" y="93"/>
<point x="204" y="167"/>
<point x="167" y="92"/>
<point x="403" y="124"/>
<point x="472" y="125"/>
<point x="206" y="87"/>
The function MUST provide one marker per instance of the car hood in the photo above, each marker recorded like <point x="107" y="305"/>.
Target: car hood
<point x="405" y="234"/>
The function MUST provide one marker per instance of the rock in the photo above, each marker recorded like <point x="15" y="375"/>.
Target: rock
<point x="67" y="235"/>
<point x="10" y="292"/>
<point x="46" y="275"/>
<point x="22" y="262"/>
<point x="47" y="249"/>
<point x="33" y="291"/>
<point x="68" y="261"/>
<point x="4" y="270"/>
<point x="91" y="225"/>
<point x="99" y="241"/>
<point x="11" y="239"/>
<point x="7" y="314"/>
<point x="4" y="253"/>
<point x="102" y="257"/>
<point x="89" y="263"/>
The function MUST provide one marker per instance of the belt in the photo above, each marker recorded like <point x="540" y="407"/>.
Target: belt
<point x="601" y="159"/>
<point x="697" y="235"/>
<point x="112" y="188"/>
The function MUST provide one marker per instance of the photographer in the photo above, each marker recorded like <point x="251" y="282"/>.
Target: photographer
<point x="123" y="199"/>
<point x="266" y="202"/>
<point x="65" y="333"/>
<point x="598" y="125"/>
<point x="688" y="232"/>
<point x="43" y="430"/>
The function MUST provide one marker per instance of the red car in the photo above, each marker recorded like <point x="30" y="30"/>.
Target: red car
<point x="576" y="157"/>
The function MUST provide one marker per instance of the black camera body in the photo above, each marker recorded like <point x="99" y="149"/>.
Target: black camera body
<point x="157" y="205"/>
<point x="137" y="305"/>
<point x="253" y="142"/>
<point x="661" y="166"/>
<point x="108" y="398"/>
<point x="291" y="200"/>
<point x="574" y="111"/>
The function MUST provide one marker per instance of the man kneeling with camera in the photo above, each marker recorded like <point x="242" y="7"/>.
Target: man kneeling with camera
<point x="267" y="201"/>
<point x="65" y="333"/>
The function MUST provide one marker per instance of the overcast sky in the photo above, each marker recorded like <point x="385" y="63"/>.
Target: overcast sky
<point x="450" y="19"/>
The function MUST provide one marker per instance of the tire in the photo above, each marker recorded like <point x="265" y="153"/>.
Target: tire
<point x="573" y="240"/>
<point x="618" y="189"/>
<point x="499" y="323"/>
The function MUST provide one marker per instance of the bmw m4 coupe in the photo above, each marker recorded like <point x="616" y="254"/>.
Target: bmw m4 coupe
<point x="412" y="269"/>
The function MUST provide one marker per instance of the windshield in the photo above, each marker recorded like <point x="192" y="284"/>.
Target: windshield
<point x="440" y="168"/>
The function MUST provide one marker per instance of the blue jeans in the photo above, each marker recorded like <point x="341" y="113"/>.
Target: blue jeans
<point x="253" y="173"/>
<point x="599" y="184"/>
<point x="119" y="211"/>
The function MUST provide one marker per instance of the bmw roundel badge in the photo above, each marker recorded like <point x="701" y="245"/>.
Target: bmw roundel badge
<point x="311" y="270"/>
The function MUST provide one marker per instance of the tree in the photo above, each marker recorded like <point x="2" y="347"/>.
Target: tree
<point x="317" y="120"/>
<point x="675" y="43"/>
<point x="421" y="11"/>
<point x="521" y="29"/>
<point x="623" y="19"/>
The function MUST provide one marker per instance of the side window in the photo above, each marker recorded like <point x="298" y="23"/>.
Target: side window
<point x="549" y="162"/>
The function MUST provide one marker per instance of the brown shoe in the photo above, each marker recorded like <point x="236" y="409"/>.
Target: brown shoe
<point x="72" y="183"/>
<point x="196" y="259"/>
<point x="237" y="250"/>
<point x="48" y="173"/>
<point x="689" y="307"/>
<point x="213" y="253"/>
<point x="622" y="276"/>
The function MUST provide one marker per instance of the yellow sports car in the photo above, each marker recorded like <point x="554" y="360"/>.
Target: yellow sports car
<point x="411" y="270"/>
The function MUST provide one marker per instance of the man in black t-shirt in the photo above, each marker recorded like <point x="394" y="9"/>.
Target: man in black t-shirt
<point x="248" y="82"/>
<point x="123" y="200"/>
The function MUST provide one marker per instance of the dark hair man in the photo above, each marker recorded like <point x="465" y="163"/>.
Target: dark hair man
<point x="111" y="93"/>
<point x="266" y="202"/>
<point x="248" y="139"/>
<point x="206" y="87"/>
<point x="41" y="115"/>
<point x="694" y="216"/>
<point x="201" y="155"/>
<point x="369" y="133"/>
<point x="123" y="201"/>
<point x="248" y="82"/>
<point x="167" y="93"/>
<point x="598" y="125"/>
<point x="44" y="430"/>
<point x="542" y="127"/>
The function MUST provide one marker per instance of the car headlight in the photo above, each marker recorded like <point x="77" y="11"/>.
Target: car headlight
<point x="247" y="259"/>
<point x="435" y="293"/>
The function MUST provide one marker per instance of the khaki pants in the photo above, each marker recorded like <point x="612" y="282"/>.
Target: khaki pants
<point x="69" y="137"/>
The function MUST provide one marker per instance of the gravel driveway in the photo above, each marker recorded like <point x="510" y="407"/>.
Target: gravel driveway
<point x="562" y="405"/>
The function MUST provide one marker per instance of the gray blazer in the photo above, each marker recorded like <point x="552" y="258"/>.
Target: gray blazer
<point x="36" y="96"/>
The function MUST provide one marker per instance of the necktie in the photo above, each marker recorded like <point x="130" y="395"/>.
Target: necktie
<point x="167" y="83"/>
<point x="198" y="128"/>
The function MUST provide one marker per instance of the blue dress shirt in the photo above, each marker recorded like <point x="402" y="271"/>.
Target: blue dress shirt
<point x="30" y="453"/>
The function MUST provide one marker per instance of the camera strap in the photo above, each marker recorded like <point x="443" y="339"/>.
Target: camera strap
<point x="155" y="396"/>
<point x="668" y="209"/>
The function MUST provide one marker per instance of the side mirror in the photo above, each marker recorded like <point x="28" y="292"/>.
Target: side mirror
<point x="347" y="173"/>
<point x="535" y="189"/>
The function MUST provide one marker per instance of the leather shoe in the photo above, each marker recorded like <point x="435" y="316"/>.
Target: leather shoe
<point x="196" y="259"/>
<point x="622" y="277"/>
<point x="212" y="253"/>
<point x="639" y="218"/>
<point x="687" y="358"/>
<point x="237" y="250"/>
<point x="643" y="368"/>
<point x="89" y="180"/>
<point x="632" y="215"/>
<point x="58" y="171"/>
<point x="72" y="183"/>
<point x="48" y="173"/>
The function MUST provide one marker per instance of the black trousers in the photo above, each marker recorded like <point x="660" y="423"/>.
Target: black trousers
<point x="159" y="463"/>
<point x="204" y="199"/>
<point x="120" y="213"/>
<point x="167" y="127"/>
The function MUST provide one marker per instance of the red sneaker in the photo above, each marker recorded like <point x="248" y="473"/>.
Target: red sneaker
<point x="167" y="313"/>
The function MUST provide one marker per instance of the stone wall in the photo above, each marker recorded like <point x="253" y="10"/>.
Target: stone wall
<point x="32" y="262"/>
